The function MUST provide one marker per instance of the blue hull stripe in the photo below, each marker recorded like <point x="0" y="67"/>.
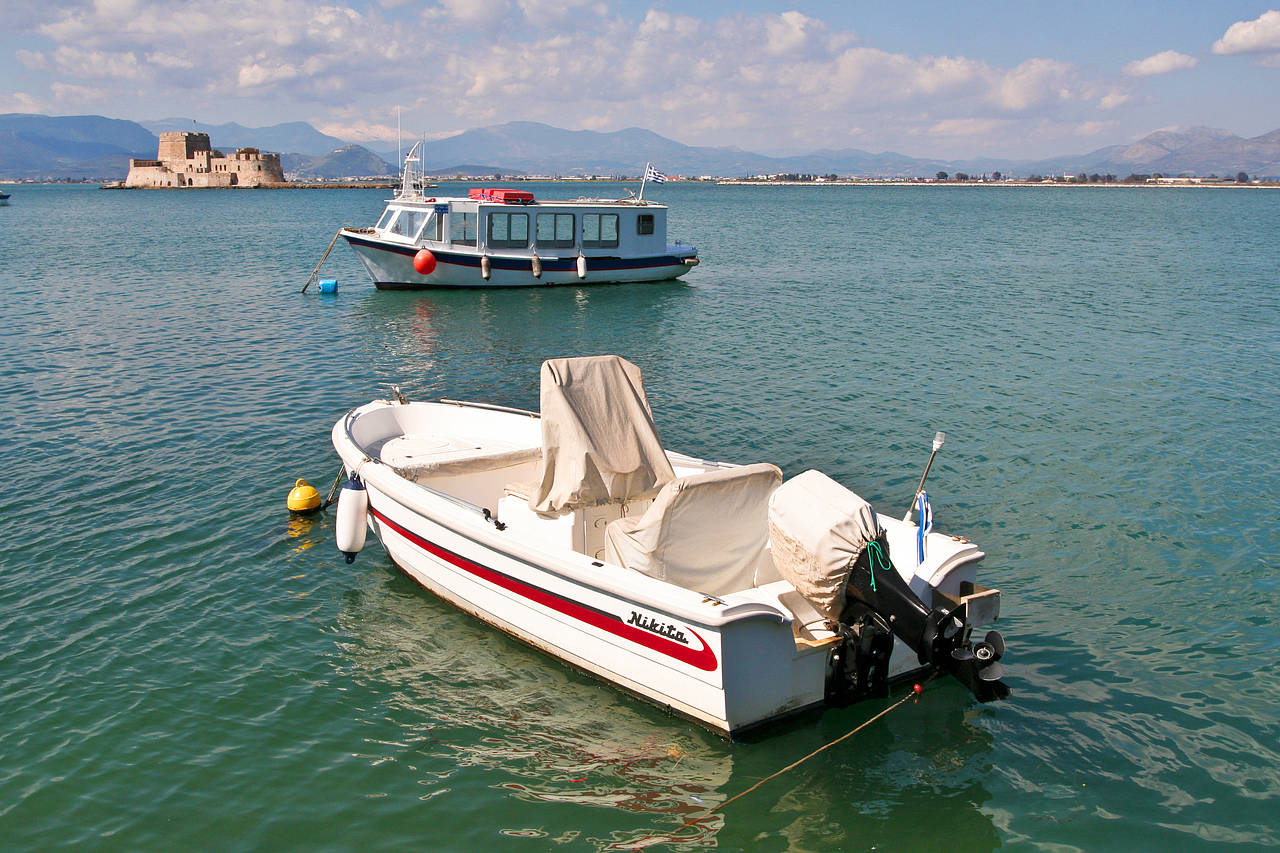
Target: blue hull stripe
<point x="597" y="264"/>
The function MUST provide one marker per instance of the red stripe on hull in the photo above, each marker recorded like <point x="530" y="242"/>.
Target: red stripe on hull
<point x="703" y="659"/>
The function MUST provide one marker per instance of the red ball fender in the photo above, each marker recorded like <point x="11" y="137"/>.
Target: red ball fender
<point x="424" y="262"/>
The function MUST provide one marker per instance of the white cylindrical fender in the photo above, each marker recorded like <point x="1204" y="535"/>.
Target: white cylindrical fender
<point x="582" y="266"/>
<point x="537" y="267"/>
<point x="485" y="267"/>
<point x="353" y="518"/>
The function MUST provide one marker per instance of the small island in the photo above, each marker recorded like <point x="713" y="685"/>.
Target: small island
<point x="189" y="160"/>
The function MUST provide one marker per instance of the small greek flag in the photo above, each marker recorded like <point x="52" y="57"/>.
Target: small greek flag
<point x="652" y="174"/>
<point x="925" y="511"/>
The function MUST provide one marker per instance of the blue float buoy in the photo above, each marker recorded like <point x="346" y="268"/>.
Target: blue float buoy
<point x="328" y="285"/>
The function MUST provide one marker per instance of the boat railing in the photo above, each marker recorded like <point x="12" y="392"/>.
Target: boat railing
<point x="490" y="406"/>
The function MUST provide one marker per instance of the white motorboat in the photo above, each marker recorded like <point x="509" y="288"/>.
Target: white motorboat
<point x="506" y="238"/>
<point x="714" y="590"/>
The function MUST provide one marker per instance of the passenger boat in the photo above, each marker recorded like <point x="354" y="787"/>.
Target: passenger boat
<point x="4" y="198"/>
<point x="714" y="590"/>
<point x="496" y="237"/>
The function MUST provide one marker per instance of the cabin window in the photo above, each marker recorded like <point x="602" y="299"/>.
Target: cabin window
<point x="555" y="231"/>
<point x="508" y="230"/>
<point x="599" y="230"/>
<point x="644" y="223"/>
<point x="434" y="229"/>
<point x="386" y="218"/>
<point x="462" y="228"/>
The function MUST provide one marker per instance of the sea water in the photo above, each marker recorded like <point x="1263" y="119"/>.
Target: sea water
<point x="185" y="666"/>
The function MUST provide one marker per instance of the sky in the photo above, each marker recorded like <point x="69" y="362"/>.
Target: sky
<point x="926" y="78"/>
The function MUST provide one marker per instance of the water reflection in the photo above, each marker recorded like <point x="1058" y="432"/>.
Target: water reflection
<point x="466" y="696"/>
<point x="492" y="342"/>
<point x="460" y="696"/>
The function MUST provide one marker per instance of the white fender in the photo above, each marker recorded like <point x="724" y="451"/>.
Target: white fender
<point x="353" y="518"/>
<point x="537" y="267"/>
<point x="484" y="267"/>
<point x="582" y="266"/>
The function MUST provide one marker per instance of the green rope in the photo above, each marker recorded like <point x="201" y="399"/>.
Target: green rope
<point x="876" y="554"/>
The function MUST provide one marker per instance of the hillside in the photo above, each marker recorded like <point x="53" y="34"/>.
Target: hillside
<point x="35" y="147"/>
<point x="98" y="148"/>
<point x="349" y="161"/>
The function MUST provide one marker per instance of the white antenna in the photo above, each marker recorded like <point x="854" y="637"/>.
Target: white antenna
<point x="938" y="439"/>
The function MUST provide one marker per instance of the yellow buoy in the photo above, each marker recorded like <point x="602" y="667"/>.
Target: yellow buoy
<point x="303" y="498"/>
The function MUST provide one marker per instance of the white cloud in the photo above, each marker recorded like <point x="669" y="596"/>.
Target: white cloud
<point x="1114" y="99"/>
<point x="968" y="127"/>
<point x="1093" y="128"/>
<point x="1163" y="62"/>
<point x="1035" y="82"/>
<point x="20" y="102"/>
<point x="473" y="14"/>
<point x="757" y="80"/>
<point x="362" y="130"/>
<point x="1261" y="35"/>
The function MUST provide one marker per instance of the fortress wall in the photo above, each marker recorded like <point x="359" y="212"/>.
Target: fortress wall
<point x="187" y="160"/>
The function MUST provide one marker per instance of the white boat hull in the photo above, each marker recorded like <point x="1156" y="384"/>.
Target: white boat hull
<point x="390" y="265"/>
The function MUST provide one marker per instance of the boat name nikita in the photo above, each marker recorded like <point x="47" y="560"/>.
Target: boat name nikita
<point x="662" y="629"/>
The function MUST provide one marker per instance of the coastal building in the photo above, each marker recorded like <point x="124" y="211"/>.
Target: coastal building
<point x="188" y="160"/>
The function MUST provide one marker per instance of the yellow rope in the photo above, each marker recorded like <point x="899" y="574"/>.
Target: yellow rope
<point x="912" y="694"/>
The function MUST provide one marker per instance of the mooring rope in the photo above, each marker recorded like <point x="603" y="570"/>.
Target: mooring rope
<point x="914" y="693"/>
<point x="316" y="272"/>
<point x="334" y="488"/>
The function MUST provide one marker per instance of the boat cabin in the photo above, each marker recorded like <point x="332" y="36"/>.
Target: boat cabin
<point x="514" y="223"/>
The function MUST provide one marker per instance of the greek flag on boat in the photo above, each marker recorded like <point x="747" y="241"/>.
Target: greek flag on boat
<point x="652" y="174"/>
<point x="925" y="511"/>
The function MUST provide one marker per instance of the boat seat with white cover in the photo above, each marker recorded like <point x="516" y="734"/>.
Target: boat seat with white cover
<point x="706" y="532"/>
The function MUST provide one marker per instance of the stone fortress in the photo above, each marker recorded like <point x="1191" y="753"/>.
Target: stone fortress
<point x="188" y="160"/>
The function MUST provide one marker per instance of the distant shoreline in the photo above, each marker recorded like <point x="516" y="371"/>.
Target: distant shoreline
<point x="288" y="185"/>
<point x="1068" y="184"/>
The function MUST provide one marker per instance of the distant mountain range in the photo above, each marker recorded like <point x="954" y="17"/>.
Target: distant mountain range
<point x="98" y="148"/>
<point x="292" y="137"/>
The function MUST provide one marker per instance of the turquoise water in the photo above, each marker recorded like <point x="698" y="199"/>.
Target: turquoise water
<point x="185" y="667"/>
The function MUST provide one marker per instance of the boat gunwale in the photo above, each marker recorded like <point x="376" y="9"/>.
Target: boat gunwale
<point x="712" y="612"/>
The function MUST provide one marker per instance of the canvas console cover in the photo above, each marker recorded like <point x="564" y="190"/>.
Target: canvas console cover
<point x="817" y="528"/>
<point x="599" y="441"/>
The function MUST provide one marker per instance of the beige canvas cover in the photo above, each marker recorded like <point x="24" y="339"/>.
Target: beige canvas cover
<point x="706" y="532"/>
<point x="599" y="441"/>
<point x="817" y="528"/>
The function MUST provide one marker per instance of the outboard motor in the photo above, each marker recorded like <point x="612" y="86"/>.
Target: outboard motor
<point x="880" y="606"/>
<point x="831" y="546"/>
